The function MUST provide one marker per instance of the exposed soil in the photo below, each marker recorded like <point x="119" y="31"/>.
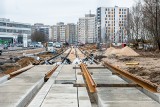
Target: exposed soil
<point x="7" y="68"/>
<point x="148" y="68"/>
<point x="149" y="61"/>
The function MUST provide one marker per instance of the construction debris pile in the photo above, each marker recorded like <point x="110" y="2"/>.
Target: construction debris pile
<point x="12" y="66"/>
<point x="126" y="51"/>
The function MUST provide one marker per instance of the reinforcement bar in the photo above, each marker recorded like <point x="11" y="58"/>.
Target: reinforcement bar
<point x="138" y="80"/>
<point x="90" y="82"/>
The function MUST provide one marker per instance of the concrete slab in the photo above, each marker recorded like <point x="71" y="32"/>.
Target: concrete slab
<point x="155" y="96"/>
<point x="17" y="92"/>
<point x="79" y="77"/>
<point x="61" y="95"/>
<point x="83" y="97"/>
<point x="100" y="71"/>
<point x="108" y="80"/>
<point x="120" y="97"/>
<point x="66" y="75"/>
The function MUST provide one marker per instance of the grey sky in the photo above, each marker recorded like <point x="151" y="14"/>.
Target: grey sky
<point x="52" y="11"/>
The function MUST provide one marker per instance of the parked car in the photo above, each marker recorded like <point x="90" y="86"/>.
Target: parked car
<point x="58" y="45"/>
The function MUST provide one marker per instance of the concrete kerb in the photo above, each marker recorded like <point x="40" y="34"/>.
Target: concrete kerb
<point x="30" y="94"/>
<point x="98" y="101"/>
<point x="4" y="79"/>
<point x="39" y="98"/>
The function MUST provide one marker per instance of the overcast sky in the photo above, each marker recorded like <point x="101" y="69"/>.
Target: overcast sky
<point x="52" y="11"/>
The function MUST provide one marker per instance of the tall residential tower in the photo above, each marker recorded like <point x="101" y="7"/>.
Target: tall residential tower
<point x="112" y="23"/>
<point x="87" y="29"/>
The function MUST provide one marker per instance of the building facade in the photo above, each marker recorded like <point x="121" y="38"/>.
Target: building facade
<point x="61" y="29"/>
<point x="87" y="29"/>
<point x="45" y="29"/>
<point x="71" y="33"/>
<point x="54" y="37"/>
<point x="111" y="24"/>
<point x="14" y="32"/>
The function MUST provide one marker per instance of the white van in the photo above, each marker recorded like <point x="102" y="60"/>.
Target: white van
<point x="50" y="47"/>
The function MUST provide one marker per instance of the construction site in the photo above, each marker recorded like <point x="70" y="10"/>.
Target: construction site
<point x="80" y="77"/>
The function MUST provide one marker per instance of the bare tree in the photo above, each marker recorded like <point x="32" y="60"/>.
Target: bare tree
<point x="136" y="17"/>
<point x="144" y="21"/>
<point x="151" y="12"/>
<point x="38" y="37"/>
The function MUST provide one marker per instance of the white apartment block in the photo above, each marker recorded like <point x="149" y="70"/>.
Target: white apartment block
<point x="14" y="32"/>
<point x="62" y="32"/>
<point x="82" y="31"/>
<point x="71" y="33"/>
<point x="112" y="23"/>
<point x="91" y="27"/>
<point x="87" y="29"/>
<point x="54" y="33"/>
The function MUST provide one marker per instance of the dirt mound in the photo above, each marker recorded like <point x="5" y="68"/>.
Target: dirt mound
<point x="26" y="61"/>
<point x="109" y="50"/>
<point x="126" y="51"/>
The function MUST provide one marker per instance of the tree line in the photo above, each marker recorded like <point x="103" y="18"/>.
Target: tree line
<point x="144" y="22"/>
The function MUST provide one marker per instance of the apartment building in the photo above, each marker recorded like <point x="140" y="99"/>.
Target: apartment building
<point x="14" y="32"/>
<point x="87" y="29"/>
<point x="61" y="29"/>
<point x="71" y="33"/>
<point x="45" y="29"/>
<point x="54" y="37"/>
<point x="111" y="24"/>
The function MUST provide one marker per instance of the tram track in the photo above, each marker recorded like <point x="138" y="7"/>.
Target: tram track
<point x="146" y="87"/>
<point x="18" y="72"/>
<point x="98" y="80"/>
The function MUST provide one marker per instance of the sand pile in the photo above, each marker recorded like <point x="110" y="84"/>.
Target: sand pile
<point x="126" y="51"/>
<point x="109" y="50"/>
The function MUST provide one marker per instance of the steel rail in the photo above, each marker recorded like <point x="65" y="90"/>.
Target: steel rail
<point x="15" y="73"/>
<point x="87" y="54"/>
<point x="49" y="74"/>
<point x="57" y="55"/>
<point x="90" y="82"/>
<point x="138" y="80"/>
